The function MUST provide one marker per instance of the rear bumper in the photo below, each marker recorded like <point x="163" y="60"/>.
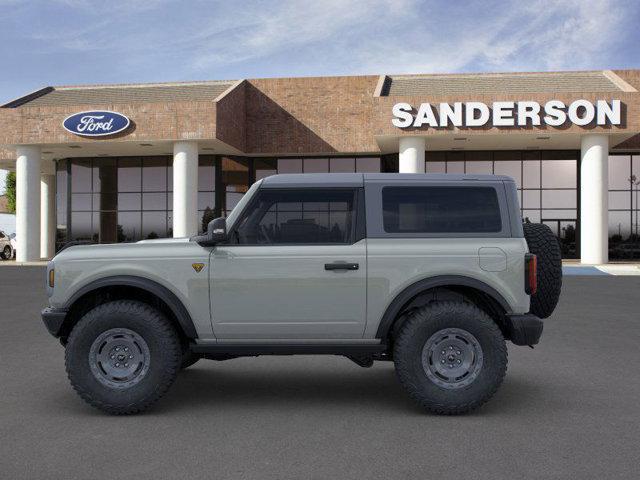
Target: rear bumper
<point x="524" y="329"/>
<point x="53" y="319"/>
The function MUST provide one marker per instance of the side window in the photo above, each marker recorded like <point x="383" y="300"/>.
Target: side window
<point x="441" y="210"/>
<point x="292" y="216"/>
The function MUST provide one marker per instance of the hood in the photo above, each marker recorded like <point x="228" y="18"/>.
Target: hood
<point x="165" y="240"/>
<point x="144" y="248"/>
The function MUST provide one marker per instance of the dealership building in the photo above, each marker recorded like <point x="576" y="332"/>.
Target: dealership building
<point x="114" y="163"/>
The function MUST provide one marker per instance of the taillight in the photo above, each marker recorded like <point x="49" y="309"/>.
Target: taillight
<point x="530" y="274"/>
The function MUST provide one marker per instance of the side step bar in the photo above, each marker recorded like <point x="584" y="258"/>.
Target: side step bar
<point x="248" y="349"/>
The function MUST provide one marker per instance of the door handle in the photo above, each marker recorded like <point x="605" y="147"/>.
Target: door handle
<point x="341" y="266"/>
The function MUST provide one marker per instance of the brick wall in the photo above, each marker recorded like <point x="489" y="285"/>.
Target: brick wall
<point x="313" y="115"/>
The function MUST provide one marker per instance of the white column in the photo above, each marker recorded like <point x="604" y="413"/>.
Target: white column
<point x="28" y="203"/>
<point x="411" y="154"/>
<point x="47" y="215"/>
<point x="185" y="189"/>
<point x="594" y="210"/>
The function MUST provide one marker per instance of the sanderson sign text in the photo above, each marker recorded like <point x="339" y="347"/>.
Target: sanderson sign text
<point x="507" y="114"/>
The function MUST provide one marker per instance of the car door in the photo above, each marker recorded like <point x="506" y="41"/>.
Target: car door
<point x="294" y="268"/>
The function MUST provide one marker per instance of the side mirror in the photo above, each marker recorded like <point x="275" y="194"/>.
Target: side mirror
<point x="216" y="233"/>
<point x="217" y="230"/>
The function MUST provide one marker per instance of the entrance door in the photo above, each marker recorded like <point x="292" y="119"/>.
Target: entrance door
<point x="566" y="231"/>
<point x="293" y="269"/>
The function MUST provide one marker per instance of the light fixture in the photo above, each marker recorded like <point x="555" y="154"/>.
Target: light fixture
<point x="74" y="146"/>
<point x="457" y="148"/>
<point x="460" y="138"/>
<point x="533" y="147"/>
<point x="543" y="138"/>
<point x="46" y="152"/>
<point x="103" y="154"/>
<point x="146" y="144"/>
<point x="208" y="149"/>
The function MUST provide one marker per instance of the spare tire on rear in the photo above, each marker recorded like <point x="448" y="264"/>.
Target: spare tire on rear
<point x="544" y="245"/>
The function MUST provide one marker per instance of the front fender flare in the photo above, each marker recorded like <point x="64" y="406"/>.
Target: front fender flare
<point x="167" y="296"/>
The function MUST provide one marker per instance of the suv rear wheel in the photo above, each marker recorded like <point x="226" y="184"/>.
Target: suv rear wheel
<point x="451" y="357"/>
<point x="122" y="356"/>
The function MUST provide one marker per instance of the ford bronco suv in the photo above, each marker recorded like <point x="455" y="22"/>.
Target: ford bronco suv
<point x="432" y="272"/>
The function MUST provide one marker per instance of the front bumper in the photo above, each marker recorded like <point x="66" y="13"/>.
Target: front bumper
<point x="524" y="329"/>
<point x="53" y="319"/>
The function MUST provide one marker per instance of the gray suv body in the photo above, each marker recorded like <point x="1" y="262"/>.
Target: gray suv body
<point x="432" y="272"/>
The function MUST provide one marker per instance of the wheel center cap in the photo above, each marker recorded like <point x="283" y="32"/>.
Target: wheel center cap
<point x="121" y="357"/>
<point x="451" y="357"/>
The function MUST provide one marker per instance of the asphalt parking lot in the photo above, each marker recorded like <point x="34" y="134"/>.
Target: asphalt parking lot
<point x="568" y="409"/>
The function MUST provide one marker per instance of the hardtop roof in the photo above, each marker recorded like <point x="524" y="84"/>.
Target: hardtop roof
<point x="289" y="180"/>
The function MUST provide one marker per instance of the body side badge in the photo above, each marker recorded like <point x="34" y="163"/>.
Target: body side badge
<point x="197" y="267"/>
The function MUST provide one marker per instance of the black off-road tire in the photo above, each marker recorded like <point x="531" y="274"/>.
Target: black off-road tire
<point x="544" y="244"/>
<point x="162" y="346"/>
<point x="414" y="337"/>
<point x="7" y="253"/>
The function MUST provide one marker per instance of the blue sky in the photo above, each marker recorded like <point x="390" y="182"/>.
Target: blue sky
<point x="69" y="42"/>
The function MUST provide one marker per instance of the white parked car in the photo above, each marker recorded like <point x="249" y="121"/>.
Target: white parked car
<point x="7" y="246"/>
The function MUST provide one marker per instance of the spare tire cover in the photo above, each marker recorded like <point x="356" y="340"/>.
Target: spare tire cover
<point x="544" y="245"/>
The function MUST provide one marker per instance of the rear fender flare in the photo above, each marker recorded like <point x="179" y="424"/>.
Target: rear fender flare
<point x="395" y="307"/>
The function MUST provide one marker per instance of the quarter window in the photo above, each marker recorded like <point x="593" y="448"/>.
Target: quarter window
<point x="441" y="210"/>
<point x="311" y="216"/>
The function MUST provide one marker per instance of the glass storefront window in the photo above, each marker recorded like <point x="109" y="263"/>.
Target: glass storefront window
<point x="559" y="174"/>
<point x="81" y="175"/>
<point x="235" y="181"/>
<point x="129" y="226"/>
<point x="61" y="203"/>
<point x="620" y="200"/>
<point x="154" y="225"/>
<point x="531" y="174"/>
<point x="289" y="165"/>
<point x="624" y="207"/>
<point x="531" y="199"/>
<point x="265" y="167"/>
<point x="342" y="165"/>
<point x="154" y="201"/>
<point x="479" y="167"/>
<point x="455" y="167"/>
<point x="129" y="174"/>
<point x="315" y="165"/>
<point x="154" y="174"/>
<point x="619" y="172"/>
<point x="509" y="168"/>
<point x="559" y="199"/>
<point x="435" y="167"/>
<point x="368" y="165"/>
<point x="129" y="201"/>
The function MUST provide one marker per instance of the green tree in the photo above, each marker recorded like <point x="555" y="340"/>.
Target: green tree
<point x="10" y="187"/>
<point x="207" y="216"/>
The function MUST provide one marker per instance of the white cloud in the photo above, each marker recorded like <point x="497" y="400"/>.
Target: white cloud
<point x="200" y="39"/>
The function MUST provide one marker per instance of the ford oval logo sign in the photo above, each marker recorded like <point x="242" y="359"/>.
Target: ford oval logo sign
<point x="96" y="124"/>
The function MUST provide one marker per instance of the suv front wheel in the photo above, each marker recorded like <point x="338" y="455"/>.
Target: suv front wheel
<point x="451" y="357"/>
<point x="122" y="356"/>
